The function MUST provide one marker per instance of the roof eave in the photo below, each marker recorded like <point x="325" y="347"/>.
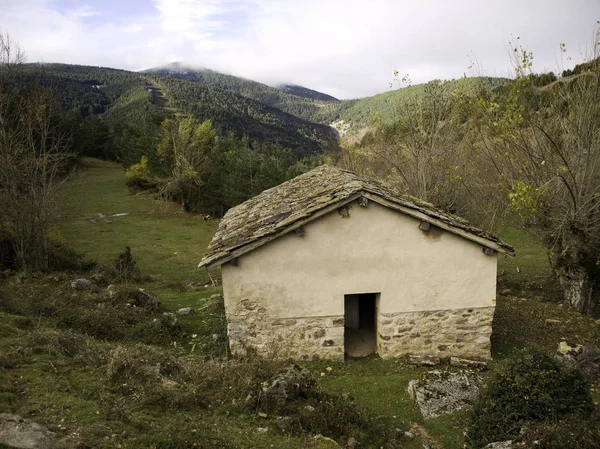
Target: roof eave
<point x="226" y="256"/>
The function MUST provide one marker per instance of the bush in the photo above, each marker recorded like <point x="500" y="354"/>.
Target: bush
<point x="63" y="257"/>
<point x="138" y="175"/>
<point x="125" y="267"/>
<point x="531" y="386"/>
<point x="566" y="434"/>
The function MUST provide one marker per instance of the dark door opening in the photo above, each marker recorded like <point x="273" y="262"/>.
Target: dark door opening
<point x="360" y="324"/>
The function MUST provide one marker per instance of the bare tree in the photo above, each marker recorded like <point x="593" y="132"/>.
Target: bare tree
<point x="544" y="144"/>
<point x="34" y="152"/>
<point x="420" y="152"/>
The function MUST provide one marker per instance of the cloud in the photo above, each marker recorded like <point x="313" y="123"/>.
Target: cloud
<point x="347" y="48"/>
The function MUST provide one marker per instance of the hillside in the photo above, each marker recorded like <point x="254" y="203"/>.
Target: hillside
<point x="363" y="112"/>
<point x="301" y="91"/>
<point x="103" y="374"/>
<point x="244" y="116"/>
<point x="130" y="107"/>
<point x="302" y="102"/>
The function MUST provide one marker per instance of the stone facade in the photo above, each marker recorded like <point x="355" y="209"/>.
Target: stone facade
<point x="251" y="329"/>
<point x="442" y="333"/>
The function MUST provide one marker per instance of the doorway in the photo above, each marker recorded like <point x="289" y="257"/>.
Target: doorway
<point x="360" y="324"/>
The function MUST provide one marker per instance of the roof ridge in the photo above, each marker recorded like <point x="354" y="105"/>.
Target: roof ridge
<point x="278" y="210"/>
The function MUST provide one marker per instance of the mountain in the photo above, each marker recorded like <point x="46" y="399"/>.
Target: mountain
<point x="133" y="103"/>
<point x="302" y="106"/>
<point x="304" y="92"/>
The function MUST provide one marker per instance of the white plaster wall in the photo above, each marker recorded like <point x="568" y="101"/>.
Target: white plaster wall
<point x="375" y="250"/>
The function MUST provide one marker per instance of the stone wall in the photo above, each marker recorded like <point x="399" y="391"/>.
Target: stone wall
<point x="251" y="329"/>
<point x="443" y="333"/>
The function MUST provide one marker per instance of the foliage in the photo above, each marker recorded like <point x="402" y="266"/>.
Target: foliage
<point x="138" y="175"/>
<point x="565" y="434"/>
<point x="126" y="267"/>
<point x="542" y="149"/>
<point x="231" y="112"/>
<point x="35" y="155"/>
<point x="530" y="386"/>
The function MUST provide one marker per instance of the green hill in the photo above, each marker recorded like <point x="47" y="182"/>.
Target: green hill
<point x="296" y="100"/>
<point x="131" y="105"/>
<point x="362" y="112"/>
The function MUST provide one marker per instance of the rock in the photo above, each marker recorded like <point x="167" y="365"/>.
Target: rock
<point x="325" y="442"/>
<point x="81" y="284"/>
<point x="285" y="422"/>
<point x="290" y="384"/>
<point x="215" y="337"/>
<point x="583" y="357"/>
<point x="143" y="298"/>
<point x="309" y="408"/>
<point x="426" y="360"/>
<point x="565" y="348"/>
<point x="439" y="393"/>
<point x="408" y="434"/>
<point x="500" y="445"/>
<point x="185" y="311"/>
<point x="466" y="363"/>
<point x="112" y="290"/>
<point x="262" y="429"/>
<point x="352" y="442"/>
<point x="23" y="433"/>
<point x="505" y="291"/>
<point x="216" y="297"/>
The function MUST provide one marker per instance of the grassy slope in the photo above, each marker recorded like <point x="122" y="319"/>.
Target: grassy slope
<point x="168" y="245"/>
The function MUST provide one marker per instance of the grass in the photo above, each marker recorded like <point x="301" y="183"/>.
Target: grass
<point x="167" y="243"/>
<point x="75" y="397"/>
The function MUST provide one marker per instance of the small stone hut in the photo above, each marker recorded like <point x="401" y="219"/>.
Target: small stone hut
<point x="331" y="263"/>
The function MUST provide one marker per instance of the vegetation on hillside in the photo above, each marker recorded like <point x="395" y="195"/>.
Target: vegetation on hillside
<point x="296" y="102"/>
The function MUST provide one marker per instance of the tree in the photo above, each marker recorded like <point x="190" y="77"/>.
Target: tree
<point x="544" y="145"/>
<point x="185" y="149"/>
<point x="34" y="153"/>
<point x="420" y="151"/>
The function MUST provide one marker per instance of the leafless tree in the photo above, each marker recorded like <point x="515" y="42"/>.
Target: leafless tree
<point x="34" y="153"/>
<point x="544" y="144"/>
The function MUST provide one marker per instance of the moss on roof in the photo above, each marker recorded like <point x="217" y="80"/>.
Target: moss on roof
<point x="278" y="209"/>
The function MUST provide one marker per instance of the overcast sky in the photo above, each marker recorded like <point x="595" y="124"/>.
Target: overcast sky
<point x="347" y="48"/>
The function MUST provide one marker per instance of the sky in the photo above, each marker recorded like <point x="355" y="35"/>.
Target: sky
<point x="346" y="48"/>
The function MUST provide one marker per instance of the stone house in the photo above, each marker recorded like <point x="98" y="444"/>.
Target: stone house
<point x="330" y="263"/>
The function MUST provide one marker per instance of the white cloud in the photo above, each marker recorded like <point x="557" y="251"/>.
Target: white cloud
<point x="343" y="47"/>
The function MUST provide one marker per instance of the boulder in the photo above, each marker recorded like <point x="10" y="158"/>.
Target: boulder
<point x="143" y="298"/>
<point x="441" y="392"/>
<point x="185" y="311"/>
<point x="583" y="357"/>
<point x="500" y="445"/>
<point x="23" y="433"/>
<point x="81" y="284"/>
<point x="323" y="442"/>
<point x="291" y="383"/>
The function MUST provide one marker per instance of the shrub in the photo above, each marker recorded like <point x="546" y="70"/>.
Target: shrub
<point x="531" y="386"/>
<point x="566" y="434"/>
<point x="63" y="257"/>
<point x="138" y="175"/>
<point x="125" y="266"/>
